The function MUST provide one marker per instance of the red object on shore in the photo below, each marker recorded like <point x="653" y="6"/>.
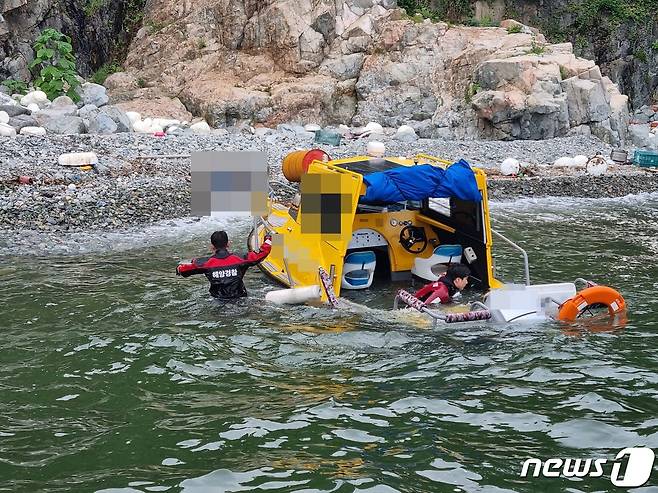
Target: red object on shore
<point x="24" y="180"/>
<point x="653" y="124"/>
<point x="159" y="134"/>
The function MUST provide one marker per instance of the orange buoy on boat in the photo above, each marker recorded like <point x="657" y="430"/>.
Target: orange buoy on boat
<point x="594" y="296"/>
<point x="296" y="163"/>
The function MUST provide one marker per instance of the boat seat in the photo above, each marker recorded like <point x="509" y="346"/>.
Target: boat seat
<point x="436" y="265"/>
<point x="358" y="270"/>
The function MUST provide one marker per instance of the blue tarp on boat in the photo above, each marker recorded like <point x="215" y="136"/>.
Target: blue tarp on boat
<point x="421" y="182"/>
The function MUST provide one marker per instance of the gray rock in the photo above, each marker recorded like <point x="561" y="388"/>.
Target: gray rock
<point x="5" y="98"/>
<point x="4" y="90"/>
<point x="345" y="67"/>
<point x="13" y="109"/>
<point x="56" y="112"/>
<point x="639" y="134"/>
<point x="356" y="44"/>
<point x="93" y="94"/>
<point x="61" y="124"/>
<point x="101" y="124"/>
<point x="24" y="120"/>
<point x="364" y="4"/>
<point x="406" y="134"/>
<point x="586" y="101"/>
<point x="424" y="129"/>
<point x="119" y="117"/>
<point x="287" y="129"/>
<point x="641" y="118"/>
<point x="62" y="102"/>
<point x="87" y="111"/>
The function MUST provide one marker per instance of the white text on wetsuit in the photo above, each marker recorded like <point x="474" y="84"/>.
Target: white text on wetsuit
<point x="218" y="274"/>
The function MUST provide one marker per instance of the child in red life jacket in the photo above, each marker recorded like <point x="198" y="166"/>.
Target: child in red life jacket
<point x="225" y="270"/>
<point x="454" y="280"/>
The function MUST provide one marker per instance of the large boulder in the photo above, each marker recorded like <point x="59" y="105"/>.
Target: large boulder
<point x="13" y="109"/>
<point x="60" y="122"/>
<point x="118" y="116"/>
<point x="586" y="100"/>
<point x="20" y="121"/>
<point x="101" y="123"/>
<point x="95" y="94"/>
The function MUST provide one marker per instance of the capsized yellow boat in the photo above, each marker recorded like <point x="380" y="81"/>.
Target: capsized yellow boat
<point x="328" y="221"/>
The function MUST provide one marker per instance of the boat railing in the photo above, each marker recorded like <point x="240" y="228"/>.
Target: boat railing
<point x="526" y="264"/>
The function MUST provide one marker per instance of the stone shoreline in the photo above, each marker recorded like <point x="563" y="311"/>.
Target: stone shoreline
<point x="619" y="184"/>
<point x="128" y="191"/>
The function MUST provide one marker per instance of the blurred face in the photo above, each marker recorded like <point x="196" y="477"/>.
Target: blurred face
<point x="460" y="282"/>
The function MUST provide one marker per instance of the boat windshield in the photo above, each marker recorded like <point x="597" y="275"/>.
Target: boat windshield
<point x="408" y="205"/>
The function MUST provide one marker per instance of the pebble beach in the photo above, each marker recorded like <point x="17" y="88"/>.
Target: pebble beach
<point x="141" y="179"/>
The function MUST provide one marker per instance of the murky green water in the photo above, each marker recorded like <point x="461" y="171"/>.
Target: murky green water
<point x="117" y="375"/>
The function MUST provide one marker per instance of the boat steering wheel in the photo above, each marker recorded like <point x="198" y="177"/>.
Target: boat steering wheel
<point x="411" y="236"/>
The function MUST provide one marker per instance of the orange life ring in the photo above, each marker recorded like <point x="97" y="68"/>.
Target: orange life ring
<point x="595" y="295"/>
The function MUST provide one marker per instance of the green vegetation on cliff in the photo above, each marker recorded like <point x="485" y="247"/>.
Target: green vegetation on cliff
<point x="621" y="36"/>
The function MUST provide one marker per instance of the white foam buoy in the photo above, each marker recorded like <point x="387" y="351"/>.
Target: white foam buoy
<point x="510" y="166"/>
<point x="580" y="160"/>
<point x="133" y="116"/>
<point x="294" y="296"/>
<point x="374" y="128"/>
<point x="376" y="149"/>
<point x="78" y="159"/>
<point x="141" y="126"/>
<point x="312" y="127"/>
<point x="33" y="131"/>
<point x="596" y="166"/>
<point x="564" y="161"/>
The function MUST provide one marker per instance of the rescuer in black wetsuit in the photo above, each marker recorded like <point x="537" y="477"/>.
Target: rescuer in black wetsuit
<point x="225" y="270"/>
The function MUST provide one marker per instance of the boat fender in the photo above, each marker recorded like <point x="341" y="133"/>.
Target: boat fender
<point x="78" y="159"/>
<point x="294" y="296"/>
<point x="603" y="295"/>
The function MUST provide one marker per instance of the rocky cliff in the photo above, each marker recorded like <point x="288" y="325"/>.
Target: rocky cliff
<point x="100" y="30"/>
<point x="341" y="61"/>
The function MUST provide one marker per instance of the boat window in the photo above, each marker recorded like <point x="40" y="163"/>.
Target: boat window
<point x="395" y="207"/>
<point x="466" y="213"/>
<point x="462" y="214"/>
<point x="442" y="206"/>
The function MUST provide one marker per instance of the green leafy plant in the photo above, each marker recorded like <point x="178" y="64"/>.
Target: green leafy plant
<point x="640" y="55"/>
<point x="654" y="46"/>
<point x="15" y="86"/>
<point x="153" y="26"/>
<point x="486" y="21"/>
<point x="514" y="29"/>
<point x="93" y="6"/>
<point x="564" y="73"/>
<point x="141" y="83"/>
<point x="54" y="65"/>
<point x="104" y="71"/>
<point x="470" y="91"/>
<point x="536" y="49"/>
<point x="437" y="10"/>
